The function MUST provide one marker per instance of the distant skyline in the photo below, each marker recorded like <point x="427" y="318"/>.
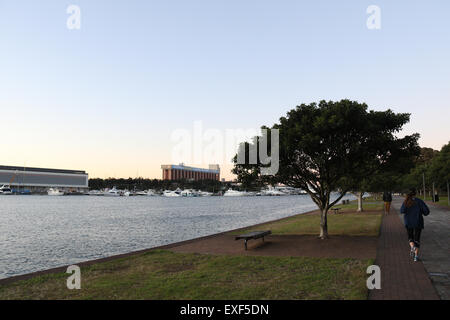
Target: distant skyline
<point x="108" y="97"/>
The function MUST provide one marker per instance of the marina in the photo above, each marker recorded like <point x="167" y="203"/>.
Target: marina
<point x="114" y="192"/>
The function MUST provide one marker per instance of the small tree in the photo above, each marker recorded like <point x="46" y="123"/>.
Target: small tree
<point x="440" y="169"/>
<point x="386" y="175"/>
<point x="332" y="146"/>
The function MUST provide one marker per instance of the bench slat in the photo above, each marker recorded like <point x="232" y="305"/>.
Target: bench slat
<point x="253" y="235"/>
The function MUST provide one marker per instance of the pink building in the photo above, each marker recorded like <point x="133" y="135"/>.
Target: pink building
<point x="179" y="172"/>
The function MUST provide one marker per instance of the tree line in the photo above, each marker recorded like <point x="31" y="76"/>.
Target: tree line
<point x="431" y="172"/>
<point x="140" y="184"/>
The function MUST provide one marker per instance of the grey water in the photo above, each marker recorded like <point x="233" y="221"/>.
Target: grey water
<point x="42" y="232"/>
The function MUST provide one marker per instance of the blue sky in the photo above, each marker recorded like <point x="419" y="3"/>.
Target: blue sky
<point x="107" y="97"/>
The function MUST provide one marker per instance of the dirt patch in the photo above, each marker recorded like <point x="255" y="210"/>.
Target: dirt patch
<point x="286" y="245"/>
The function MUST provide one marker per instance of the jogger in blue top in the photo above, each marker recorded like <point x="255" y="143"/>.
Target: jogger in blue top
<point x="413" y="210"/>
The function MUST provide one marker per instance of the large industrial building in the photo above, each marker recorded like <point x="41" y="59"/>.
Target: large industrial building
<point x="38" y="180"/>
<point x="179" y="172"/>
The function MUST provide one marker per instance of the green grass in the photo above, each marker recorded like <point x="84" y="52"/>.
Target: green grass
<point x="368" y="205"/>
<point x="443" y="201"/>
<point x="373" y="198"/>
<point x="163" y="274"/>
<point x="350" y="224"/>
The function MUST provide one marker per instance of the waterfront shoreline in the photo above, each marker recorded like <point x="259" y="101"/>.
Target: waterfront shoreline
<point x="61" y="269"/>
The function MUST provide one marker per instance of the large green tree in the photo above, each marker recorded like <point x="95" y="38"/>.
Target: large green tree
<point x="332" y="146"/>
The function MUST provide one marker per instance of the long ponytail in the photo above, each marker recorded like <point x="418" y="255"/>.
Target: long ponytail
<point x="409" y="201"/>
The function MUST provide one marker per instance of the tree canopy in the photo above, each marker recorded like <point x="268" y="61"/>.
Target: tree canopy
<point x="440" y="167"/>
<point x="332" y="146"/>
<point x="431" y="167"/>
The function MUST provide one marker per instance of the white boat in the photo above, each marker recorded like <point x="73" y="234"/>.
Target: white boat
<point x="204" y="193"/>
<point x="170" y="193"/>
<point x="289" y="190"/>
<point x="189" y="193"/>
<point x="234" y="193"/>
<point x="112" y="192"/>
<point x="270" y="191"/>
<point x="55" y="192"/>
<point x="178" y="191"/>
<point x="5" y="189"/>
<point x="148" y="193"/>
<point x="151" y="193"/>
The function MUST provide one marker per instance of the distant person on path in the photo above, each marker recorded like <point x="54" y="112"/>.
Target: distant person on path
<point x="414" y="209"/>
<point x="387" y="198"/>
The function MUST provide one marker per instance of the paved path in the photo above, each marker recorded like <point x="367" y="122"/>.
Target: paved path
<point x="401" y="278"/>
<point x="435" y="242"/>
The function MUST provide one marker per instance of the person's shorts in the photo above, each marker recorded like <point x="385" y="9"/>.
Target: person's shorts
<point x="414" y="236"/>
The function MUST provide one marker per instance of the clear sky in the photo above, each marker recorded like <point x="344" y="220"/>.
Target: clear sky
<point x="107" y="98"/>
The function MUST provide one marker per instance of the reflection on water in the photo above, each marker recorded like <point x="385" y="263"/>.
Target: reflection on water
<point x="41" y="232"/>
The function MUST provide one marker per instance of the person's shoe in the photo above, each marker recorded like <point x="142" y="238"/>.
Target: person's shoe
<point x="416" y="258"/>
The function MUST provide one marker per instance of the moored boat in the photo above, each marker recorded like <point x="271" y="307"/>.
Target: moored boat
<point x="234" y="193"/>
<point x="148" y="193"/>
<point x="112" y="192"/>
<point x="55" y="192"/>
<point x="5" y="190"/>
<point x="189" y="193"/>
<point x="170" y="193"/>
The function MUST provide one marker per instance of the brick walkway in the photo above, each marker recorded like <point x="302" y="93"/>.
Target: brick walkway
<point x="401" y="278"/>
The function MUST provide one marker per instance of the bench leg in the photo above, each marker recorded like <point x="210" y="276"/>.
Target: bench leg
<point x="245" y="243"/>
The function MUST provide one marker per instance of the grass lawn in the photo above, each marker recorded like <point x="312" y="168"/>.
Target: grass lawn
<point x="368" y="205"/>
<point x="350" y="224"/>
<point x="163" y="274"/>
<point x="443" y="201"/>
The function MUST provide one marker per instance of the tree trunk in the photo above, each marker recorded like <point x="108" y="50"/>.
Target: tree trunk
<point x="448" y="194"/>
<point x="424" y="191"/>
<point x="434" y="193"/>
<point x="323" y="224"/>
<point x="360" y="201"/>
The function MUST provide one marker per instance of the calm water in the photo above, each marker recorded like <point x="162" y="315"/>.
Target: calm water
<point x="42" y="232"/>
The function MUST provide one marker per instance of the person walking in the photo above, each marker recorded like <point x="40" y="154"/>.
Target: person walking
<point x="387" y="198"/>
<point x="413" y="210"/>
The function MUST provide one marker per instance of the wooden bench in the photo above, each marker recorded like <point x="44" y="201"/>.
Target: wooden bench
<point x="253" y="235"/>
<point x="336" y="210"/>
